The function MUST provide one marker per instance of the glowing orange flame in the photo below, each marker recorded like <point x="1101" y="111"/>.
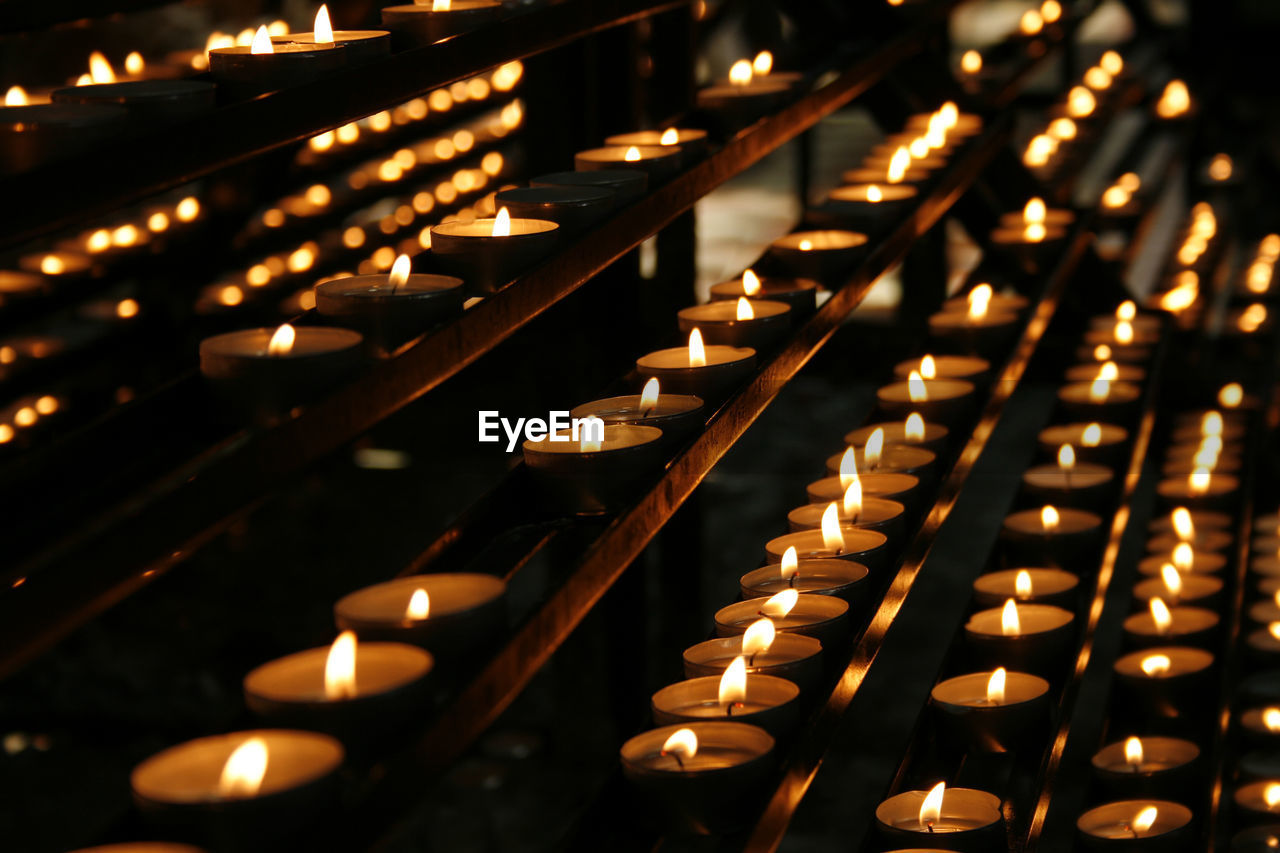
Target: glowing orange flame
<point x="832" y="535"/>
<point x="1099" y="390"/>
<point x="1111" y="62"/>
<point x="913" y="428"/>
<point x="649" y="396"/>
<point x="1092" y="435"/>
<point x="261" y="42"/>
<point x="779" y="605"/>
<point x="16" y="96"/>
<point x="916" y="388"/>
<point x="281" y="342"/>
<point x="1155" y="666"/>
<point x="1133" y="752"/>
<point x="632" y="155"/>
<point x="853" y="500"/>
<point x="733" y="684"/>
<point x="928" y="366"/>
<point x="1022" y="584"/>
<point x="1271" y="795"/>
<point x="1198" y="481"/>
<point x="697" y="352"/>
<point x="848" y="468"/>
<point x="762" y="64"/>
<point x="931" y="808"/>
<point x="323" y="28"/>
<point x="502" y="223"/>
<point x="790" y="563"/>
<point x="740" y="74"/>
<point x="419" y="607"/>
<point x="1145" y="820"/>
<point x="745" y="311"/>
<point x="1172" y="579"/>
<point x="340" y="668"/>
<point x="979" y="301"/>
<point x="245" y="768"/>
<point x="898" y="164"/>
<point x="874" y="194"/>
<point x="1032" y="23"/>
<point x="1109" y="371"/>
<point x="1010" y="625"/>
<point x="670" y="136"/>
<point x="100" y="70"/>
<point x="1066" y="457"/>
<point x="759" y="637"/>
<point x="874" y="450"/>
<point x="995" y="687"/>
<point x="1174" y="101"/>
<point x="1231" y="395"/>
<point x="1160" y="615"/>
<point x="683" y="743"/>
<point x="1271" y="719"/>
<point x="971" y="62"/>
<point x="400" y="272"/>
<point x="1049" y="518"/>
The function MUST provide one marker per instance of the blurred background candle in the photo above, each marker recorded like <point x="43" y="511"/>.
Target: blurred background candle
<point x="799" y="293"/>
<point x="944" y="401"/>
<point x="1148" y="767"/>
<point x="244" y="71"/>
<point x="709" y="372"/>
<point x="824" y="254"/>
<point x="659" y="162"/>
<point x="690" y="142"/>
<point x="931" y="367"/>
<point x="452" y="614"/>
<point x="425" y="23"/>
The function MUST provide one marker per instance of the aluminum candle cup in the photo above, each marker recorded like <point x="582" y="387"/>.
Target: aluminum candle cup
<point x="691" y="143"/>
<point x="1200" y="519"/>
<point x="254" y="381"/>
<point x="1163" y="683"/>
<point x="719" y="324"/>
<point x="421" y="25"/>
<point x="1100" y="400"/>
<point x="770" y="702"/>
<point x="725" y="369"/>
<point x="1095" y="443"/>
<point x="1046" y="586"/>
<point x="1210" y="491"/>
<point x="967" y="711"/>
<point x="893" y="459"/>
<point x="794" y="657"/>
<point x="1201" y="562"/>
<point x="944" y="401"/>
<point x="880" y="174"/>
<point x="387" y="313"/>
<point x="659" y="162"/>
<point x="1197" y="590"/>
<point x="487" y="262"/>
<point x="361" y="46"/>
<point x="1041" y="644"/>
<point x="1072" y="543"/>
<point x="1121" y="354"/>
<point x="240" y="73"/>
<point x="896" y="432"/>
<point x="1088" y="371"/>
<point x="146" y="100"/>
<point x="971" y="368"/>
<point x="869" y="547"/>
<point x="871" y="208"/>
<point x="969" y="821"/>
<point x="40" y="133"/>
<point x="1262" y="647"/>
<point x="594" y="481"/>
<point x="1085" y="486"/>
<point x="824" y="255"/>
<point x="1251" y="802"/>
<point x="1110" y="827"/>
<point x="465" y="613"/>
<point x="1189" y="626"/>
<point x="179" y="790"/>
<point x="841" y="578"/>
<point x="882" y="514"/>
<point x="389" y="688"/>
<point x="1258" y="839"/>
<point x="823" y="617"/>
<point x="1000" y="302"/>
<point x="902" y="488"/>
<point x="741" y="104"/>
<point x="800" y="294"/>
<point x="677" y="415"/>
<point x="574" y="209"/>
<point x="627" y="185"/>
<point x="714" y="790"/>
<point x="988" y="335"/>
<point x="1264" y="612"/>
<point x="1180" y="462"/>
<point x="1261" y="726"/>
<point x="1162" y="767"/>
<point x="1030" y="256"/>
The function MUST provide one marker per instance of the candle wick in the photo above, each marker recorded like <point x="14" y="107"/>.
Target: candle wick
<point x="1130" y="829"/>
<point x="791" y="581"/>
<point x="728" y="710"/>
<point x="928" y="825"/>
<point x="679" y="760"/>
<point x="751" y="661"/>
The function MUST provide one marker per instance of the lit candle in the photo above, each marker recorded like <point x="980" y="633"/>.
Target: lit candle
<point x="1091" y="442"/>
<point x="1031" y="638"/>
<point x="1174" y="101"/>
<point x="1184" y="523"/>
<point x="1027" y="585"/>
<point x="1178" y="587"/>
<point x="1109" y="370"/>
<point x="944" y="401"/>
<point x="992" y="711"/>
<point x="854" y="510"/>
<point x="1158" y="826"/>
<point x="454" y="615"/>
<point x="976" y="329"/>
<point x="930" y="367"/>
<point x="1148" y="767"/>
<point x="1032" y="236"/>
<point x="968" y="818"/>
<point x="825" y="255"/>
<point x="800" y="294"/>
<point x="1068" y="482"/>
<point x="709" y="372"/>
<point x="1062" y="537"/>
<point x="1261" y="726"/>
<point x="794" y="657"/>
<point x="1162" y="625"/>
<point x="820" y="576"/>
<point x="242" y="71"/>
<point x="1001" y="301"/>
<point x="428" y="21"/>
<point x="823" y="617"/>
<point x="756" y="323"/>
<point x="594" y="470"/>
<point x="360" y="45"/>
<point x="1201" y="489"/>
<point x="834" y="540"/>
<point x="677" y="415"/>
<point x="900" y="168"/>
<point x="574" y="208"/>
<point x="1163" y="683"/>
<point x="1184" y="558"/>
<point x="659" y="162"/>
<point x="878" y="455"/>
<point x="488" y="253"/>
<point x="1257" y="800"/>
<point x="689" y="142"/>
<point x="912" y="431"/>
<point x="750" y="90"/>
<point x="903" y="488"/>
<point x="761" y="700"/>
<point x="389" y="310"/>
<point x="1100" y="400"/>
<point x="871" y="207"/>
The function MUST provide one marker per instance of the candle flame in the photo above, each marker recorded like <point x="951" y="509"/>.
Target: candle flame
<point x="1133" y="752"/>
<point x="16" y="96"/>
<point x="1099" y="390"/>
<point x="245" y="768"/>
<point x="323" y="28"/>
<point x="1174" y="100"/>
<point x="931" y="808"/>
<point x="744" y="309"/>
<point x="1211" y="423"/>
<point x="806" y="245"/>
<point x="790" y="563"/>
<point x="971" y="62"/>
<point x="898" y="164"/>
<point x="400" y="272"/>
<point x="832" y="535"/>
<point x="588" y="443"/>
<point x="670" y="136"/>
<point x="874" y="451"/>
<point x="261" y="42"/>
<point x="779" y="605"/>
<point x="733" y="684"/>
<point x="1124" y="332"/>
<point x="1231" y="395"/>
<point x="1145" y="820"/>
<point x="1063" y="129"/>
<point x="874" y="194"/>
<point x="1160" y="615"/>
<point x="762" y="64"/>
<point x="1156" y="665"/>
<point x="1102" y="352"/>
<point x="649" y="396"/>
<point x="849" y="468"/>
<point x="1271" y="795"/>
<point x="1273" y="628"/>
<point x="740" y="74"/>
<point x="340" y="668"/>
<point x="1109" y="371"/>
<point x="1049" y="518"/>
<point x="419" y="606"/>
<point x="1184" y="556"/>
<point x="1198" y="481"/>
<point x="853" y="500"/>
<point x="632" y="155"/>
<point x="1010" y="625"/>
<point x="281" y="342"/>
<point x="949" y="114"/>
<point x="1051" y="11"/>
<point x="979" y="301"/>
<point x="750" y="282"/>
<point x="759" y="637"/>
<point x="1080" y="102"/>
<point x="1034" y="212"/>
<point x="1022" y="584"/>
<point x="502" y="223"/>
<point x="1111" y="62"/>
<point x="441" y="5"/>
<point x="913" y="428"/>
<point x="928" y="366"/>
<point x="1066" y="457"/>
<point x="995" y="687"/>
<point x="697" y="352"/>
<point x="100" y="70"/>
<point x="1271" y="719"/>
<point x="1032" y="23"/>
<point x="1097" y="78"/>
<point x="916" y="389"/>
<point x="919" y="147"/>
<point x="1172" y="580"/>
<point x="683" y="742"/>
<point x="1092" y="435"/>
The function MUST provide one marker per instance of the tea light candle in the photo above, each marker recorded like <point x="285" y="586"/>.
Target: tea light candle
<point x="242" y="71"/>
<point x="244" y="785"/>
<point x="854" y="510"/>
<point x="704" y="776"/>
<point x="794" y="657"/>
<point x="1090" y="371"/>
<point x="574" y="209"/>
<point x="761" y="700"/>
<point x="16" y="286"/>
<point x="1150" y="826"/>
<point x="1068" y="483"/>
<point x="1164" y="682"/>
<point x="677" y="415"/>
<point x="1261" y="726"/>
<point x="944" y="401"/>
<point x="1195" y="426"/>
<point x="903" y="488"/>
<point x="1029" y="585"/>
<point x="1031" y="638"/>
<point x="1258" y="839"/>
<point x="389" y="310"/>
<point x="877" y="456"/>
<point x="1031" y="239"/>
<point x="1176" y="587"/>
<point x="824" y="255"/>
<point x="452" y="614"/>
<point x="1099" y="400"/>
<point x="967" y="818"/>
<point x="1062" y="537"/>
<point x="992" y="711"/>
<point x="1091" y="442"/>
<point x="709" y="372"/>
<point x="823" y="617"/>
<point x="755" y="323"/>
<point x="798" y="293"/>
<point x="589" y="476"/>
<point x="1258" y="800"/>
<point x="422" y="24"/>
<point x="1201" y="489"/>
<point x="834" y="540"/>
<point x="1161" y="625"/>
<point x="1146" y="325"/>
<point x="659" y="162"/>
<point x="1147" y="767"/>
<point x="983" y="294"/>
<point x="1263" y="644"/>
<point x="918" y="172"/>
<point x="744" y="96"/>
<point x="977" y="330"/>
<point x="40" y="133"/>
<point x="627" y="185"/>
<point x="930" y="367"/>
<point x="913" y="431"/>
<point x="1184" y="522"/>
<point x="360" y="46"/>
<point x="871" y="207"/>
<point x="821" y="577"/>
<point x="489" y="253"/>
<point x="957" y="125"/>
<point x="354" y="691"/>
<point x="265" y="371"/>
<point x="1184" y="558"/>
<point x="690" y="142"/>
<point x="145" y="100"/>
